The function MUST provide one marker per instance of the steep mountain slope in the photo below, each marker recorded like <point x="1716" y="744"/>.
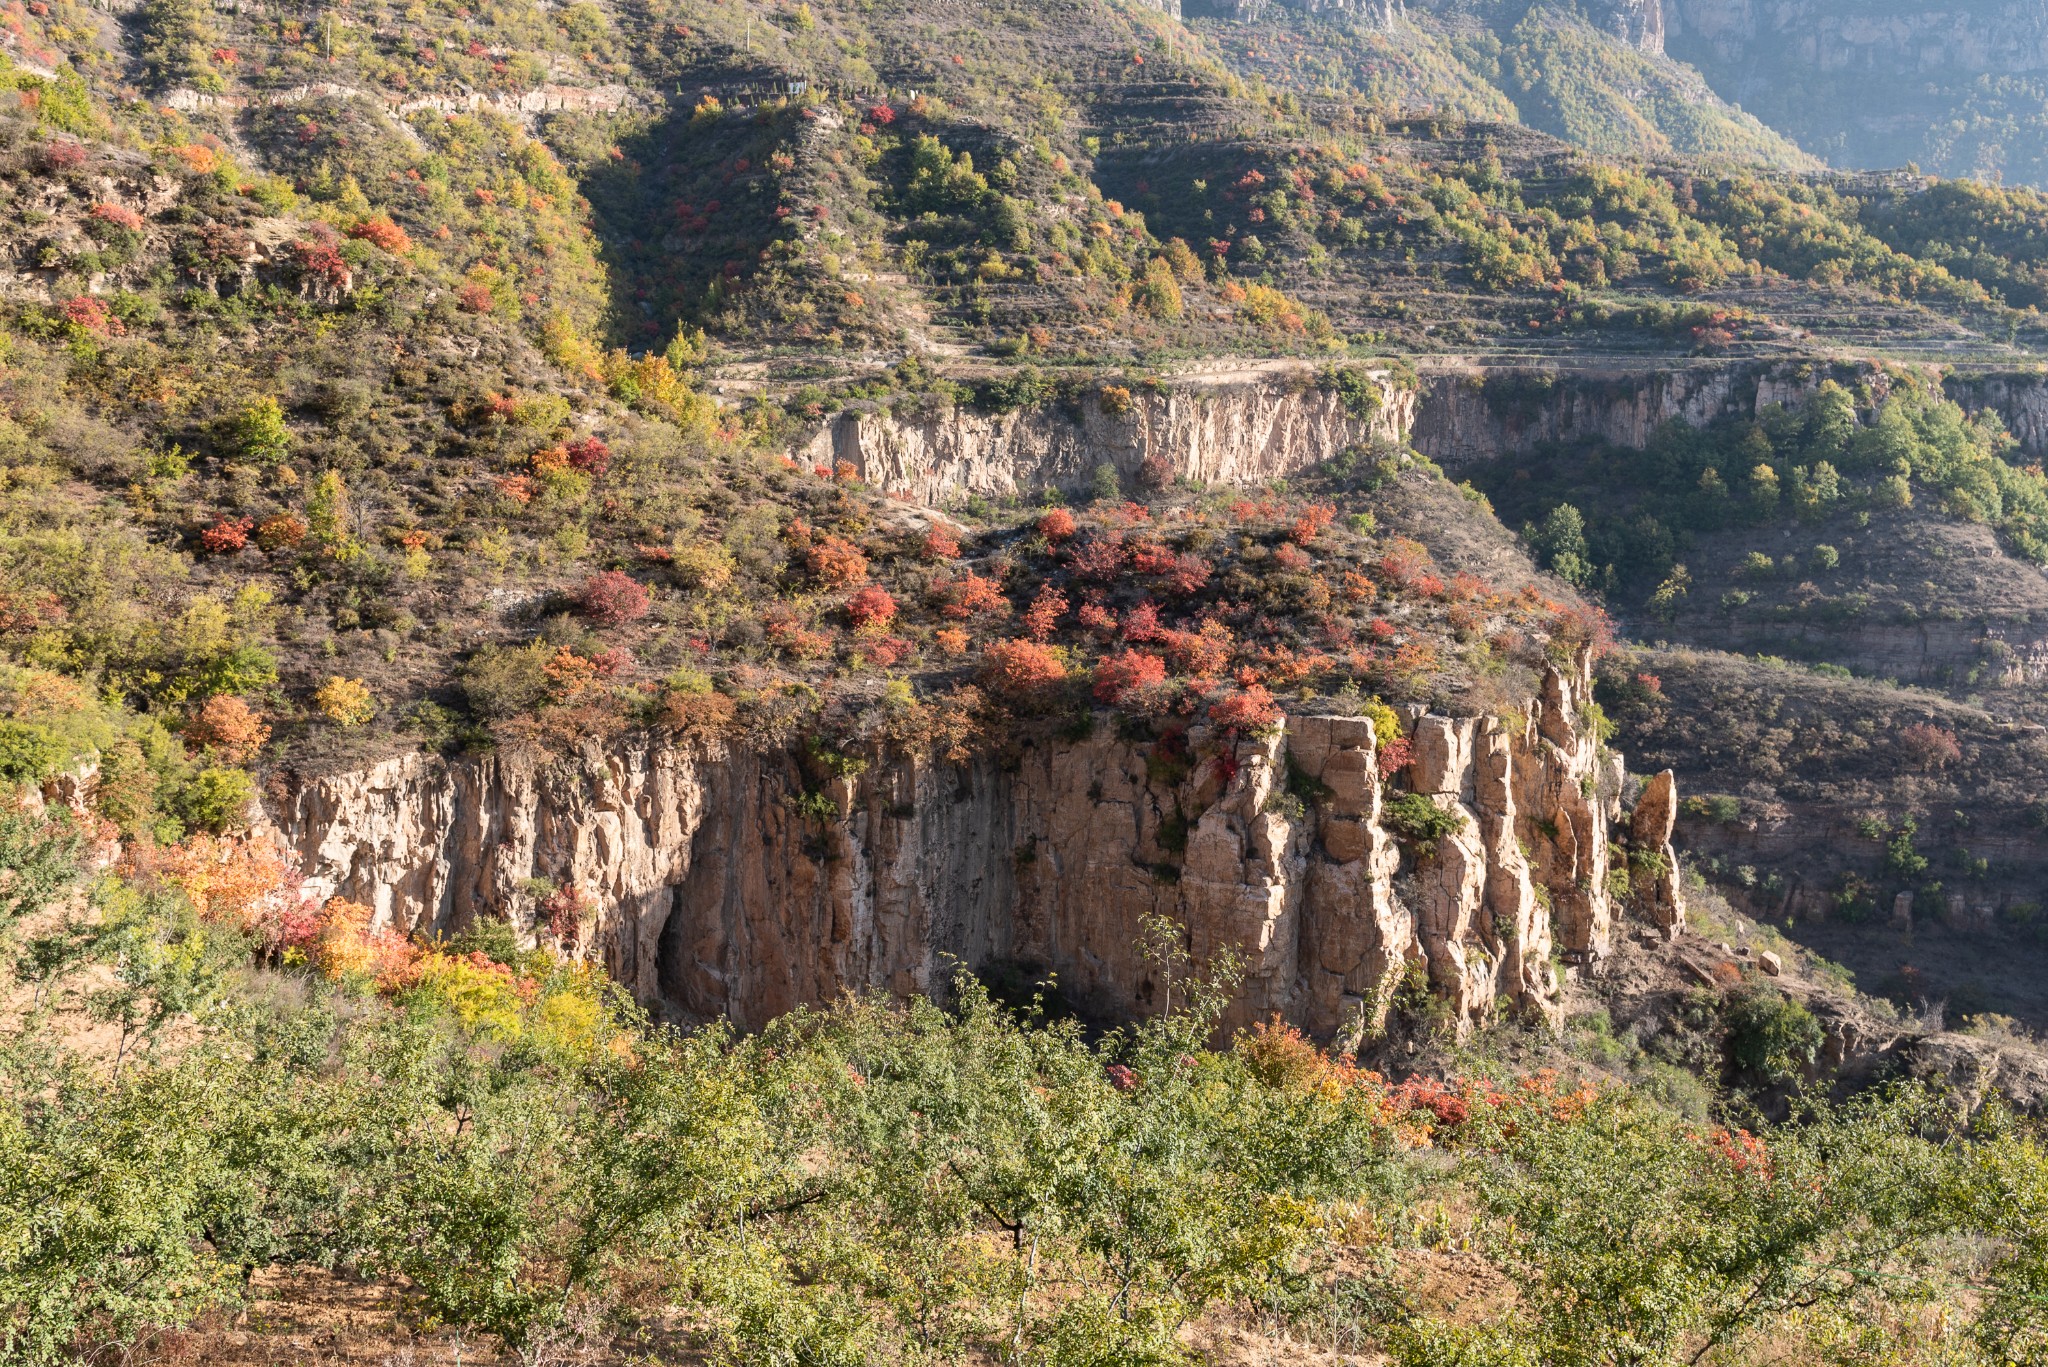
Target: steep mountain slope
<point x="1955" y="88"/>
<point x="1594" y="74"/>
<point x="1848" y="646"/>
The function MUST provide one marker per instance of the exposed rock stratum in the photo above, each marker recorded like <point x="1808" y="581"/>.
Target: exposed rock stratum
<point x="716" y="891"/>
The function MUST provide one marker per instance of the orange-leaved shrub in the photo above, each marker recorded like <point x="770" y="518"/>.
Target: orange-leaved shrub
<point x="971" y="595"/>
<point x="1249" y="709"/>
<point x="872" y="609"/>
<point x="835" y="562"/>
<point x="227" y="726"/>
<point x="1057" y="525"/>
<point x="1042" y="618"/>
<point x="1021" y="671"/>
<point x="1119" y="675"/>
<point x="379" y="231"/>
<point x="226" y="536"/>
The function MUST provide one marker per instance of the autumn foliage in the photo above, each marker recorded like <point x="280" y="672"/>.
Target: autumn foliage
<point x="612" y="598"/>
<point x="835" y="562"/>
<point x="1021" y="671"/>
<point x="229" y="727"/>
<point x="1245" y="710"/>
<point x="379" y="231"/>
<point x="971" y="595"/>
<point x="1125" y="672"/>
<point x="1057" y="525"/>
<point x="872" y="609"/>
<point x="226" y="536"/>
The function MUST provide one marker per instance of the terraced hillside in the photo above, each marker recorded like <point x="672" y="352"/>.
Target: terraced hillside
<point x="836" y="683"/>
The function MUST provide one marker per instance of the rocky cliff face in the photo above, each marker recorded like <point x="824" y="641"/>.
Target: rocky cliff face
<point x="1236" y="428"/>
<point x="1467" y="415"/>
<point x="1639" y="23"/>
<point x="716" y="892"/>
<point x="1464" y="414"/>
<point x="2020" y="398"/>
<point x="1249" y="427"/>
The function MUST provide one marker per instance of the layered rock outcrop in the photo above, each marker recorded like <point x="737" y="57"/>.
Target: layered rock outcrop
<point x="1253" y="425"/>
<point x="1470" y="413"/>
<point x="721" y="885"/>
<point x="1221" y="427"/>
<point x="1473" y="414"/>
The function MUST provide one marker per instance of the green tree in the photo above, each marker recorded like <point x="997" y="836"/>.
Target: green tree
<point x="176" y="38"/>
<point x="167" y="964"/>
<point x="1635" y="1240"/>
<point x="260" y="434"/>
<point x="1160" y="293"/>
<point x="1770" y="1036"/>
<point x="327" y="511"/>
<point x="1560" y="544"/>
<point x="2004" y="1191"/>
<point x="29" y="753"/>
<point x="100" y="1189"/>
<point x="1830" y="422"/>
<point x="1763" y="490"/>
<point x="38" y="860"/>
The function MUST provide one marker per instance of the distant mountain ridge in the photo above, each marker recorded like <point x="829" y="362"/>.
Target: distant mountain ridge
<point x="1594" y="72"/>
<point x="1960" y="90"/>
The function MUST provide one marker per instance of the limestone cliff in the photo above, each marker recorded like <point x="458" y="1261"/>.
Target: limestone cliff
<point x="2019" y="397"/>
<point x="1254" y="425"/>
<point x="718" y="887"/>
<point x="1465" y="413"/>
<point x="1236" y="427"/>
<point x="1468" y="414"/>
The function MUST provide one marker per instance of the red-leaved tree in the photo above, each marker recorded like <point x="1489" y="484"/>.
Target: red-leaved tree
<point x="1120" y="675"/>
<point x="612" y="598"/>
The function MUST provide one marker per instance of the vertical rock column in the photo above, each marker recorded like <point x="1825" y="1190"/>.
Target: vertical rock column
<point x="1241" y="885"/>
<point x="1515" y="923"/>
<point x="1451" y="875"/>
<point x="1653" y="885"/>
<point x="1355" y="936"/>
<point x="1560" y="816"/>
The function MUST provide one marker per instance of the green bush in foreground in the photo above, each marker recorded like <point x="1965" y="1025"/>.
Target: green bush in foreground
<point x="879" y="1182"/>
